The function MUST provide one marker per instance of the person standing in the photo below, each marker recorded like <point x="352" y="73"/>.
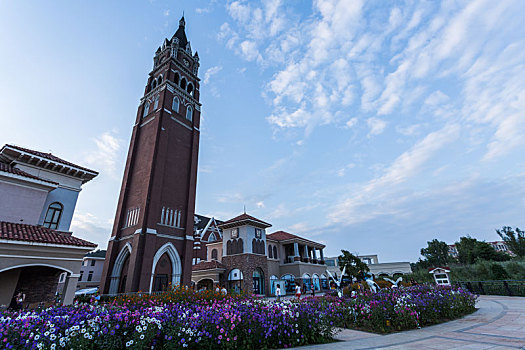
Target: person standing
<point x="278" y="292"/>
<point x="312" y="288"/>
<point x="224" y="291"/>
<point x="20" y="298"/>
<point x="298" y="291"/>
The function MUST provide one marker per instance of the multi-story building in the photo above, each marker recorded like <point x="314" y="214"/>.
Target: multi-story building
<point x="90" y="271"/>
<point x="38" y="195"/>
<point x="376" y="268"/>
<point x="241" y="256"/>
<point x="499" y="246"/>
<point x="151" y="244"/>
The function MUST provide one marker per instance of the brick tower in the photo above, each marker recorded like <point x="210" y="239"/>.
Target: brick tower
<point x="151" y="244"/>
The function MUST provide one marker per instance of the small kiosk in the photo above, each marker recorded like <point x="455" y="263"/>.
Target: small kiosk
<point x="441" y="275"/>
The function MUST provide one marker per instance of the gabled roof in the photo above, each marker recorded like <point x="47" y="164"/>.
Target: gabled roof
<point x="38" y="234"/>
<point x="15" y="171"/>
<point x="286" y="236"/>
<point x="48" y="161"/>
<point x="208" y="265"/>
<point x="432" y="269"/>
<point x="244" y="219"/>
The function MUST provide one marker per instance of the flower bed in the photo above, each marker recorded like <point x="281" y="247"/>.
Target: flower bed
<point x="180" y="319"/>
<point x="400" y="309"/>
<point x="227" y="323"/>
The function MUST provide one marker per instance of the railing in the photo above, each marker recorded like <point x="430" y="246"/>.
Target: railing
<point x="292" y="259"/>
<point x="502" y="287"/>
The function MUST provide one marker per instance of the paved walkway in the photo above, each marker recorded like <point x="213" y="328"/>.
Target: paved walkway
<point x="498" y="324"/>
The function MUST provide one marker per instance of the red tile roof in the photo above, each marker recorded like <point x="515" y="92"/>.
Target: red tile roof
<point x="12" y="170"/>
<point x="208" y="265"/>
<point x="50" y="157"/>
<point x="39" y="234"/>
<point x="245" y="218"/>
<point x="285" y="236"/>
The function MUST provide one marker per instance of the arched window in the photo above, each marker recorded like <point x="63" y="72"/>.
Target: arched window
<point x="154" y="84"/>
<point x="270" y="255"/>
<point x="175" y="105"/>
<point x="190" y="89"/>
<point x="156" y="105"/>
<point x="146" y="109"/>
<point x="254" y="246"/>
<point x="160" y="80"/>
<point x="54" y="212"/>
<point x="240" y="246"/>
<point x="183" y="83"/>
<point x="214" y="254"/>
<point x="176" y="78"/>
<point x="275" y="252"/>
<point x="189" y="113"/>
<point x="229" y="248"/>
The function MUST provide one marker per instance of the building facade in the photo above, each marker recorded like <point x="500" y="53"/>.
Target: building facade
<point x="151" y="244"/>
<point x="90" y="271"/>
<point x="376" y="268"/>
<point x="243" y="257"/>
<point x="499" y="246"/>
<point x="38" y="194"/>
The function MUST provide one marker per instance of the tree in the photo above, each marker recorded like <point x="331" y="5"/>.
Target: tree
<point x="471" y="250"/>
<point x="515" y="239"/>
<point x="436" y="253"/>
<point x="353" y="264"/>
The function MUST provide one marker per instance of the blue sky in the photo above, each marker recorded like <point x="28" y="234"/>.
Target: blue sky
<point x="370" y="126"/>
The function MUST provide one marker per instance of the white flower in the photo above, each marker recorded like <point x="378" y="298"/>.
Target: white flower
<point x="142" y="336"/>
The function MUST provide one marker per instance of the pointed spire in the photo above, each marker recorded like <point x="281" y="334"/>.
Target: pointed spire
<point x="182" y="22"/>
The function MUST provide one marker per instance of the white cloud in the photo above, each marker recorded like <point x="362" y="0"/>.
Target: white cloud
<point x="351" y="122"/>
<point x="106" y="154"/>
<point x="166" y="13"/>
<point x="260" y="204"/>
<point x="364" y="202"/>
<point x="209" y="73"/>
<point x="376" y="126"/>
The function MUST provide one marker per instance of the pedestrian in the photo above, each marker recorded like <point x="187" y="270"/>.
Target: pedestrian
<point x="224" y="291"/>
<point x="20" y="298"/>
<point x="278" y="292"/>
<point x="217" y="289"/>
<point x="298" y="291"/>
<point x="312" y="288"/>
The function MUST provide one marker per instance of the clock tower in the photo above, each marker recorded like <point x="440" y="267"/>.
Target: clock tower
<point x="151" y="244"/>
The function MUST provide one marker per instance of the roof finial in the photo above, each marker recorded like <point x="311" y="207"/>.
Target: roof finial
<point x="245" y="209"/>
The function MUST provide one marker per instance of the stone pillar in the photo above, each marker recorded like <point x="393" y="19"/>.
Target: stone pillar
<point x="321" y="253"/>
<point x="296" y="249"/>
<point x="70" y="287"/>
<point x="306" y="255"/>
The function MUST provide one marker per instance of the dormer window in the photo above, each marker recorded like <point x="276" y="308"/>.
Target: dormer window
<point x="189" y="113"/>
<point x="235" y="233"/>
<point x="54" y="212"/>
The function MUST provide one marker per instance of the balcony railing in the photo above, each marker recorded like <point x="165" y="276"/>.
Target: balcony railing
<point x="292" y="259"/>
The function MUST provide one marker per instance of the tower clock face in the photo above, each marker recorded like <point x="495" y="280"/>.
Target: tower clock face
<point x="186" y="62"/>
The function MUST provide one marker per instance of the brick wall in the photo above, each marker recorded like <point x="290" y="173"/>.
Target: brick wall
<point x="247" y="263"/>
<point x="39" y="284"/>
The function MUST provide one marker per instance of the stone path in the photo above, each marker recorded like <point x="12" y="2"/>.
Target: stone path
<point x="498" y="324"/>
